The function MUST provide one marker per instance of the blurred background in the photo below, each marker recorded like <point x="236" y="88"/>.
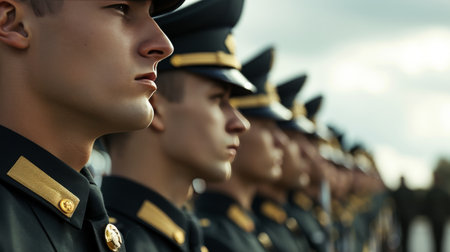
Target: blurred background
<point x="382" y="66"/>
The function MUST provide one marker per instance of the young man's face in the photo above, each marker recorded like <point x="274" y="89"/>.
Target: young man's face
<point x="95" y="62"/>
<point x="260" y="156"/>
<point x="295" y="164"/>
<point x="201" y="132"/>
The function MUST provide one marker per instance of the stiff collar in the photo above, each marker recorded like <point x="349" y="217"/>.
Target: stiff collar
<point x="223" y="205"/>
<point x="34" y="171"/>
<point x="146" y="207"/>
<point x="301" y="200"/>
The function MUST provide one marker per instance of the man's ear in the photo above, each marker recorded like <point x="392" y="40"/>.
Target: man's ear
<point x="12" y="30"/>
<point x="158" y="118"/>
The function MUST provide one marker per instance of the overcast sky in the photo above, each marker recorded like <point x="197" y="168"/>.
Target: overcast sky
<point x="383" y="67"/>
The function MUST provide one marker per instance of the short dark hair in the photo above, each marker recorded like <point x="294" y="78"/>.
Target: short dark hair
<point x="43" y="7"/>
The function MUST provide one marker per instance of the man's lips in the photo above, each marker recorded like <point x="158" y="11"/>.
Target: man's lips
<point x="147" y="79"/>
<point x="149" y="76"/>
<point x="232" y="149"/>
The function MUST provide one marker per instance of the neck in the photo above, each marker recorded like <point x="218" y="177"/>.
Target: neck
<point x="238" y="188"/>
<point x="141" y="159"/>
<point x="273" y="192"/>
<point x="53" y="129"/>
<point x="70" y="146"/>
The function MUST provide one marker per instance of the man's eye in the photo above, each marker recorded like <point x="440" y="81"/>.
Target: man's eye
<point x="120" y="7"/>
<point x="218" y="97"/>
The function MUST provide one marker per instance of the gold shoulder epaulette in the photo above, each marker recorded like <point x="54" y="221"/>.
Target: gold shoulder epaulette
<point x="238" y="216"/>
<point x="336" y="208"/>
<point x="205" y="222"/>
<point x="303" y="201"/>
<point x="33" y="178"/>
<point x="322" y="216"/>
<point x="273" y="212"/>
<point x="154" y="216"/>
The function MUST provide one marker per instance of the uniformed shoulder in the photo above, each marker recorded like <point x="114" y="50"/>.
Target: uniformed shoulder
<point x="218" y="226"/>
<point x="135" y="237"/>
<point x="221" y="234"/>
<point x="218" y="245"/>
<point x="20" y="229"/>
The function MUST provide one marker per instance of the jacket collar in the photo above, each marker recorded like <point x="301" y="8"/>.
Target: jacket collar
<point x="146" y="207"/>
<point x="31" y="169"/>
<point x="221" y="204"/>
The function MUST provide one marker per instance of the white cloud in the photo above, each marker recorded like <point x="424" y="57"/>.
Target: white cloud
<point x="429" y="116"/>
<point x="374" y="67"/>
<point x="350" y="75"/>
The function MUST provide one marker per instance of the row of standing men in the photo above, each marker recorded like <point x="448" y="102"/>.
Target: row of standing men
<point x="266" y="176"/>
<point x="201" y="178"/>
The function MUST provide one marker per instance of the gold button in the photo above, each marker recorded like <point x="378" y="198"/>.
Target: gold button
<point x="67" y="206"/>
<point x="292" y="224"/>
<point x="113" y="238"/>
<point x="178" y="236"/>
<point x="264" y="239"/>
<point x="204" y="249"/>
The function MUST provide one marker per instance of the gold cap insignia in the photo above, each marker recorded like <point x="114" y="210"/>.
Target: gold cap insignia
<point x="230" y="43"/>
<point x="113" y="237"/>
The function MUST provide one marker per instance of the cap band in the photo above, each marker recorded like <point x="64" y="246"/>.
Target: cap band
<point x="259" y="100"/>
<point x="298" y="110"/>
<point x="205" y="58"/>
<point x="252" y="101"/>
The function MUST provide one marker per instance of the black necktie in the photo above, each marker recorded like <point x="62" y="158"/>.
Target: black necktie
<point x="107" y="236"/>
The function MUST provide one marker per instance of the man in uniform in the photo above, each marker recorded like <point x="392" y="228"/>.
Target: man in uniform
<point x="194" y="133"/>
<point x="70" y="71"/>
<point x="304" y="172"/>
<point x="225" y="208"/>
<point x="270" y="202"/>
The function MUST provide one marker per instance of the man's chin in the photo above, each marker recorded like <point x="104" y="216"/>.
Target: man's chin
<point x="222" y="172"/>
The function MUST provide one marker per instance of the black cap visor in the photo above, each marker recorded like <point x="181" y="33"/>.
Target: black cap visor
<point x="165" y="6"/>
<point x="241" y="86"/>
<point x="301" y="124"/>
<point x="274" y="111"/>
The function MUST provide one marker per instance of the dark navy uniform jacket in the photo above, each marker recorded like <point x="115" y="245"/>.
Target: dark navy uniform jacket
<point x="227" y="226"/>
<point x="148" y="221"/>
<point x="300" y="207"/>
<point x="44" y="204"/>
<point x="283" y="230"/>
